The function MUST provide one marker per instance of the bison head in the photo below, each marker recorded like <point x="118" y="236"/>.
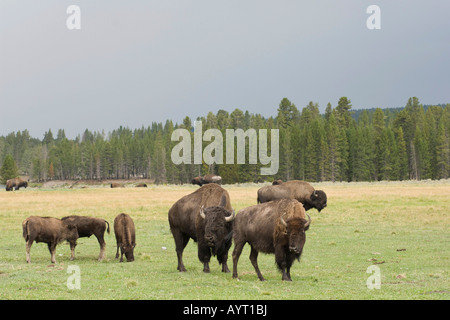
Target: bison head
<point x="128" y="249"/>
<point x="218" y="227"/>
<point x="295" y="230"/>
<point x="197" y="180"/>
<point x="318" y="200"/>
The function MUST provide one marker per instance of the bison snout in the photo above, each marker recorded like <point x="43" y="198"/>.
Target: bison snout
<point x="294" y="249"/>
<point x="209" y="240"/>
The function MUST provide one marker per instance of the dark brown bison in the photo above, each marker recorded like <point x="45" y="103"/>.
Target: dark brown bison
<point x="125" y="236"/>
<point x="49" y="230"/>
<point x="277" y="182"/>
<point x="88" y="226"/>
<point x="300" y="190"/>
<point x="206" y="217"/>
<point x="16" y="183"/>
<point x="141" y="185"/>
<point x="274" y="227"/>
<point x="209" y="178"/>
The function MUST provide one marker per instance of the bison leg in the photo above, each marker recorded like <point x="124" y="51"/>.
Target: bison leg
<point x="102" y="243"/>
<point x="73" y="244"/>
<point x="118" y="246"/>
<point x="27" y="249"/>
<point x="254" y="260"/>
<point x="181" y="240"/>
<point x="52" y="249"/>
<point x="236" y="254"/>
<point x="282" y="260"/>
<point x="204" y="255"/>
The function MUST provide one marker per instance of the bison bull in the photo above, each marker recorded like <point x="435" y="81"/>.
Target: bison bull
<point x="125" y="236"/>
<point x="49" y="230"/>
<point x="15" y="183"/>
<point x="274" y="227"/>
<point x="206" y="217"/>
<point x="300" y="190"/>
<point x="88" y="226"/>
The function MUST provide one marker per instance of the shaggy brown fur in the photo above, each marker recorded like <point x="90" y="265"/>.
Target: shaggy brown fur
<point x="274" y="227"/>
<point x="49" y="230"/>
<point x="88" y="226"/>
<point x="211" y="232"/>
<point x="125" y="236"/>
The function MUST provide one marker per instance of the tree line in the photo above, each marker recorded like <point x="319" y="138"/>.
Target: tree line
<point x="339" y="145"/>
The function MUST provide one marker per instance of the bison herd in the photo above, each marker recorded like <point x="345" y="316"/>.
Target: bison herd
<point x="275" y="225"/>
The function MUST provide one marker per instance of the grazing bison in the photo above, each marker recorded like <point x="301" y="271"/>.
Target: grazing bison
<point x="141" y="185"/>
<point x="209" y="178"/>
<point x="206" y="217"/>
<point x="300" y="190"/>
<point x="125" y="236"/>
<point x="49" y="230"/>
<point x="16" y="183"/>
<point x="88" y="226"/>
<point x="274" y="227"/>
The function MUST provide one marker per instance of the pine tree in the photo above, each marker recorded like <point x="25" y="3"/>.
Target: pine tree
<point x="9" y="169"/>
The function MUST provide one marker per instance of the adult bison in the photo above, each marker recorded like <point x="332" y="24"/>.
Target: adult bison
<point x="209" y="178"/>
<point x="15" y="183"/>
<point x="125" y="236"/>
<point x="49" y="230"/>
<point x="206" y="217"/>
<point x="300" y="190"/>
<point x="88" y="226"/>
<point x="274" y="227"/>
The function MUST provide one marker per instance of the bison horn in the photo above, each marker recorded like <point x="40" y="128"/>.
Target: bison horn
<point x="202" y="214"/>
<point x="230" y="218"/>
<point x="308" y="223"/>
<point x="283" y="222"/>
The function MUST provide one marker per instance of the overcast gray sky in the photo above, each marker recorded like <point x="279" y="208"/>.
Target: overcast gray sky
<point x="136" y="62"/>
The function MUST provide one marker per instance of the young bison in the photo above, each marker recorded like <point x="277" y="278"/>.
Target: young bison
<point x="88" y="226"/>
<point x="49" y="230"/>
<point x="125" y="236"/>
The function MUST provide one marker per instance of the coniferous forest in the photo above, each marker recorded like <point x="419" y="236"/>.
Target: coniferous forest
<point x="340" y="145"/>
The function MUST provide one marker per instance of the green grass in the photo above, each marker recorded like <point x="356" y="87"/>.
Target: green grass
<point x="401" y="228"/>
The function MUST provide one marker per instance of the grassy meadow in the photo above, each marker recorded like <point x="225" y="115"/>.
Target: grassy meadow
<point x="400" y="227"/>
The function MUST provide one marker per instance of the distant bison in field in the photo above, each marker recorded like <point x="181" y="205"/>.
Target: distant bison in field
<point x="88" y="226"/>
<point x="141" y="185"/>
<point x="277" y="182"/>
<point x="274" y="227"/>
<point x="206" y="217"/>
<point x="209" y="178"/>
<point x="125" y="236"/>
<point x="116" y="185"/>
<point x="300" y="190"/>
<point x="16" y="183"/>
<point x="49" y="230"/>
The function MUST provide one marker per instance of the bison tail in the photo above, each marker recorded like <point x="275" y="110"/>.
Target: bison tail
<point x="107" y="230"/>
<point x="25" y="229"/>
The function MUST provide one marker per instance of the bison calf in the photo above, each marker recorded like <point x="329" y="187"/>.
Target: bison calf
<point x="274" y="227"/>
<point x="49" y="230"/>
<point x="88" y="226"/>
<point x="125" y="236"/>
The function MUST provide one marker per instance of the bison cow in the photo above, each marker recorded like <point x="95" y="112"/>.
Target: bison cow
<point x="274" y="227"/>
<point x="206" y="217"/>
<point x="300" y="190"/>
<point x="88" y="226"/>
<point x="125" y="236"/>
<point x="15" y="183"/>
<point x="49" y="230"/>
<point x="209" y="178"/>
